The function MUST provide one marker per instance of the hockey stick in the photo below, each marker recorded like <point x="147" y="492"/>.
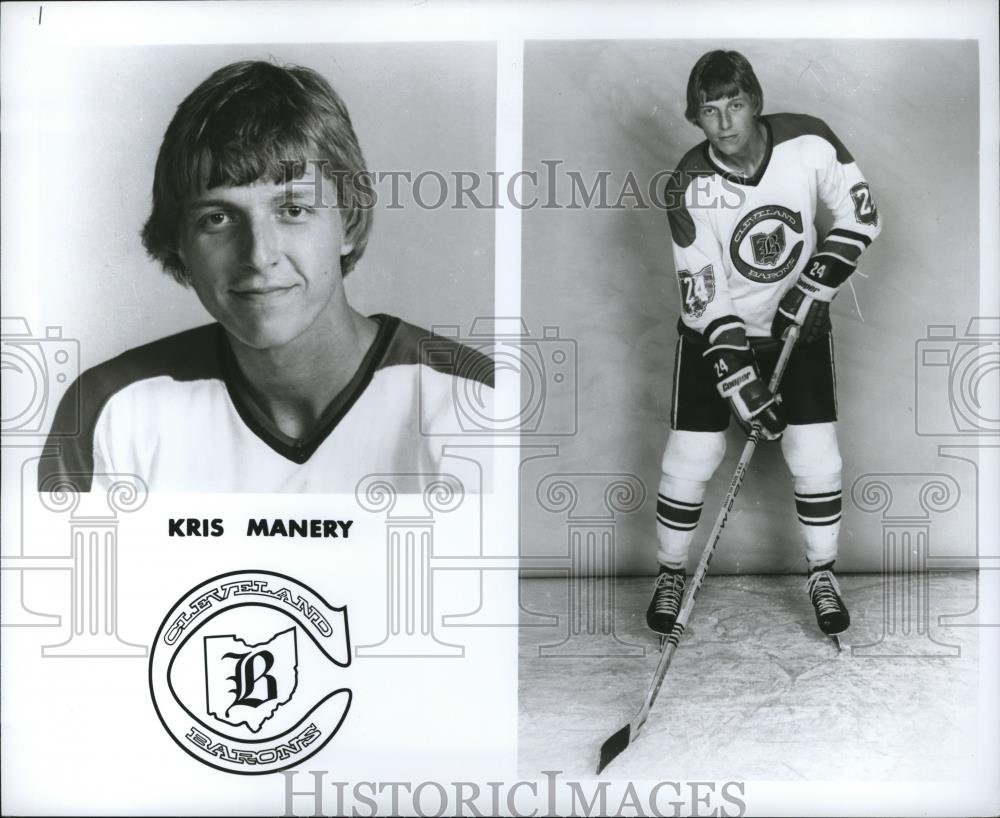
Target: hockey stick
<point x="620" y="740"/>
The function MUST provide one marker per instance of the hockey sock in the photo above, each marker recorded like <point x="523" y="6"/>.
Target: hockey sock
<point x="689" y="461"/>
<point x="818" y="504"/>
<point x="678" y="510"/>
<point x="818" y="510"/>
<point x="813" y="457"/>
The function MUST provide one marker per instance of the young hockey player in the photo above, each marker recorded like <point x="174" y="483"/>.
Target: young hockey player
<point x="742" y="211"/>
<point x="259" y="206"/>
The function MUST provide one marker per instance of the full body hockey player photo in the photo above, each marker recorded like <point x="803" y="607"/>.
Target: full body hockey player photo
<point x="262" y="206"/>
<point x="754" y="262"/>
<point x="750" y="265"/>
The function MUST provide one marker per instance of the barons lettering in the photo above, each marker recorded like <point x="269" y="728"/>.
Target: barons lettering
<point x="766" y="247"/>
<point x="278" y="752"/>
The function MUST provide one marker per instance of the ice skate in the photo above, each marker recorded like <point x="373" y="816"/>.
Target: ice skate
<point x="668" y="591"/>
<point x="824" y="593"/>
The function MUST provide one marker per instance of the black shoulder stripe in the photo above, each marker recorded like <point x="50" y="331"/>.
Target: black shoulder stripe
<point x="187" y="356"/>
<point x="788" y="126"/>
<point x="412" y="345"/>
<point x="692" y="166"/>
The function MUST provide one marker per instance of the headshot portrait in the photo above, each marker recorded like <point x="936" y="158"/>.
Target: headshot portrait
<point x="262" y="209"/>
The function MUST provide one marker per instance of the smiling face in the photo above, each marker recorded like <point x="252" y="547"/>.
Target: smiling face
<point x="730" y="124"/>
<point x="265" y="258"/>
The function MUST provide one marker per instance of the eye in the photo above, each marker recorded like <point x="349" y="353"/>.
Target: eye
<point x="708" y="111"/>
<point x="736" y="106"/>
<point x="295" y="213"/>
<point x="214" y="221"/>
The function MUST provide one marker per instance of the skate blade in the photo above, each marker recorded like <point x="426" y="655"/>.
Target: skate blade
<point x="663" y="641"/>
<point x="836" y="640"/>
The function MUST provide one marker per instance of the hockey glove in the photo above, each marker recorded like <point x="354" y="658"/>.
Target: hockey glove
<point x="737" y="378"/>
<point x="807" y="304"/>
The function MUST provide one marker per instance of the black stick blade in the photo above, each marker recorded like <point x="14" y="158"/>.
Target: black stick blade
<point x="613" y="746"/>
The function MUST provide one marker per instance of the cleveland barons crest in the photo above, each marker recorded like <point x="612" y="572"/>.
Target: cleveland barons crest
<point x="759" y="243"/>
<point x="768" y="247"/>
<point x="243" y="672"/>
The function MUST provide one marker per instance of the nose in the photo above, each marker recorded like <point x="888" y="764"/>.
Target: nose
<point x="261" y="246"/>
<point x="725" y="119"/>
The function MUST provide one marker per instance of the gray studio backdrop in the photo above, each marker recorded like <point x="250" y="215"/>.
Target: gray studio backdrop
<point x="908" y="111"/>
<point x="416" y="107"/>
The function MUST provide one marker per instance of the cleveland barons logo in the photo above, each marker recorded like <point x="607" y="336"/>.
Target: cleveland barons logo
<point x="243" y="672"/>
<point x="767" y="248"/>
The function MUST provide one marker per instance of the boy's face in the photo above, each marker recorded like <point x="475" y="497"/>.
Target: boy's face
<point x="265" y="258"/>
<point x="729" y="123"/>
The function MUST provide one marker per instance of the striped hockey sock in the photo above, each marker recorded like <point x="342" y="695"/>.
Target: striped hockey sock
<point x="819" y="515"/>
<point x="678" y="510"/>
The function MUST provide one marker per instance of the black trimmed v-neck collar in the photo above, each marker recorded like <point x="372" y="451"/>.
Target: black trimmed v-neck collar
<point x="750" y="181"/>
<point x="301" y="449"/>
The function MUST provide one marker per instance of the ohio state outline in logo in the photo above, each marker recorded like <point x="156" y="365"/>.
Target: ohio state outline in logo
<point x="243" y="672"/>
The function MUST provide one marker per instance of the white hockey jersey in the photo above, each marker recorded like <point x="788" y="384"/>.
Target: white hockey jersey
<point x="740" y="242"/>
<point x="176" y="413"/>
